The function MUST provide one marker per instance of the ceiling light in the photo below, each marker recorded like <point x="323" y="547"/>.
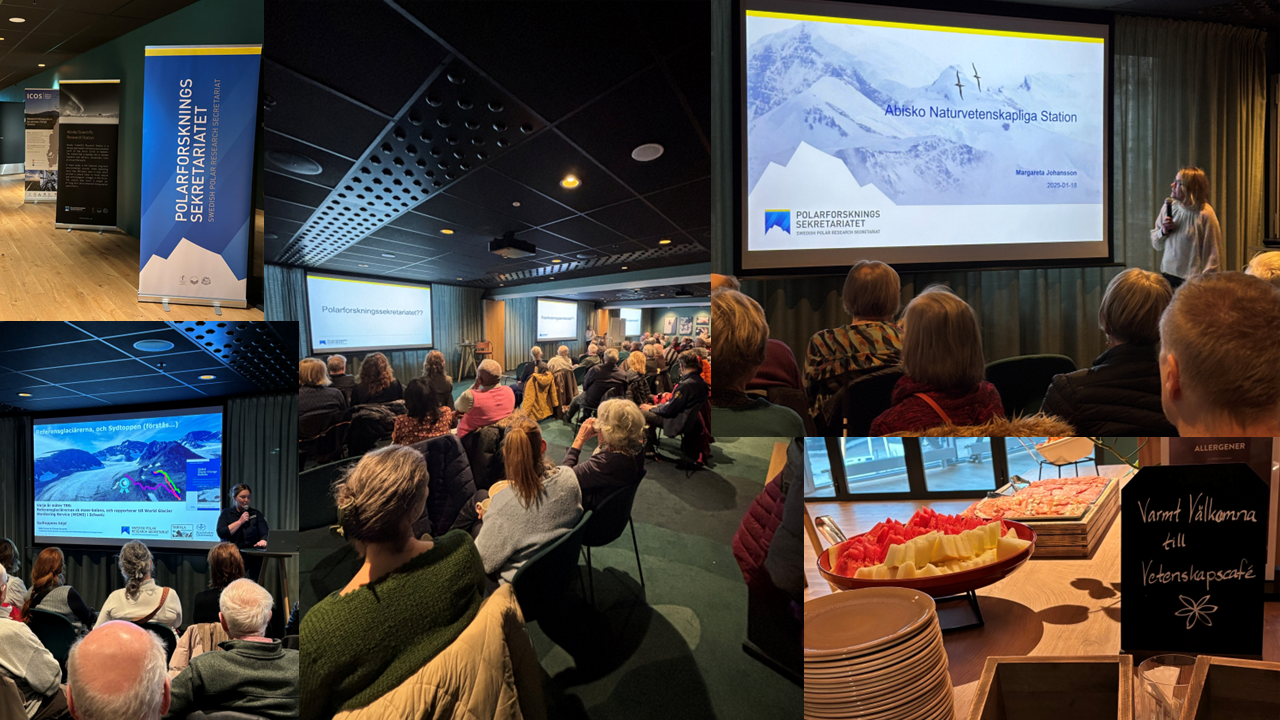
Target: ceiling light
<point x="387" y="255"/>
<point x="624" y="267"/>
<point x="515" y="204"/>
<point x="363" y="265"/>
<point x="647" y="152"/>
<point x="447" y="231"/>
<point x="153" y="345"/>
<point x="17" y="19"/>
<point x="459" y="278"/>
<point x="570" y="182"/>
<point x="206" y="377"/>
<point x="664" y="241"/>
<point x="555" y="261"/>
<point x="294" y="163"/>
<point x="24" y="394"/>
<point x="39" y="64"/>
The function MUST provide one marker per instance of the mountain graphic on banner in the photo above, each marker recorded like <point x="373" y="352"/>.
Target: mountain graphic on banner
<point x="191" y="271"/>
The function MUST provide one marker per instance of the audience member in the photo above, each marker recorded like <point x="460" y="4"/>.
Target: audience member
<point x="672" y="352"/>
<point x="592" y="358"/>
<point x="378" y="384"/>
<point x="1266" y="266"/>
<point x="618" y="461"/>
<point x="779" y="369"/>
<point x="741" y="345"/>
<point x="942" y="358"/>
<point x="535" y="359"/>
<point x="1218" y="357"/>
<point x="686" y="402"/>
<point x="225" y="567"/>
<point x="315" y="397"/>
<point x="338" y="377"/>
<point x="33" y="669"/>
<point x="1120" y="394"/>
<point x="117" y="672"/>
<point x="8" y="610"/>
<point x="141" y="600"/>
<point x="601" y="381"/>
<point x="424" y="418"/>
<point x="12" y="562"/>
<point x="49" y="591"/>
<point x="561" y="361"/>
<point x="253" y="674"/>
<point x="1191" y="240"/>
<point x="540" y="397"/>
<point x="637" y="384"/>
<point x="542" y="502"/>
<point x="487" y="401"/>
<point x="410" y="599"/>
<point x="436" y="379"/>
<point x="871" y="340"/>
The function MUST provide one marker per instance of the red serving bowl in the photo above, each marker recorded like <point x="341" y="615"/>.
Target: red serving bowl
<point x="948" y="584"/>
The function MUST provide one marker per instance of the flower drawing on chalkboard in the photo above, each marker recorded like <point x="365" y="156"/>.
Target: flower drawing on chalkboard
<point x="1196" y="611"/>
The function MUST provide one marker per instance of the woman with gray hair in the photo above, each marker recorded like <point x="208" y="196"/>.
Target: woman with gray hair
<point x="141" y="600"/>
<point x="618" y="462"/>
<point x="561" y="361"/>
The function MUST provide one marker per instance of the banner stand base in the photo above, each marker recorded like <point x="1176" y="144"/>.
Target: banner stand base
<point x="99" y="228"/>
<point x="217" y="304"/>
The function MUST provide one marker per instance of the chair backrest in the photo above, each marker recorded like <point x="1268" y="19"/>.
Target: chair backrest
<point x="1023" y="381"/>
<point x="290" y="642"/>
<point x="521" y="368"/>
<point x="859" y="402"/>
<point x="166" y="635"/>
<point x="55" y="632"/>
<point x="321" y="438"/>
<point x="675" y="372"/>
<point x="579" y="374"/>
<point x="484" y="347"/>
<point x="623" y="355"/>
<point x="652" y="380"/>
<point x="544" y="578"/>
<point x="610" y="517"/>
<point x="315" y="503"/>
<point x="11" y="700"/>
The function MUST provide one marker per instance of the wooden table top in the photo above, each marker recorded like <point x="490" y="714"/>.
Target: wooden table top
<point x="1049" y="606"/>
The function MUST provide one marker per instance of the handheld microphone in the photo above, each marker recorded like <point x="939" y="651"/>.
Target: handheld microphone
<point x="1168" y="208"/>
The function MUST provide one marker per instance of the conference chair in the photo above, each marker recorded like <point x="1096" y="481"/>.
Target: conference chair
<point x="483" y="447"/>
<point x="11" y="700"/>
<point x="859" y="403"/>
<point x="519" y="371"/>
<point x="316" y="508"/>
<point x="543" y="580"/>
<point x="484" y="350"/>
<point x="322" y="438"/>
<point x="608" y="521"/>
<point x="580" y="374"/>
<point x="623" y="355"/>
<point x="674" y="373"/>
<point x="54" y="631"/>
<point x="290" y="642"/>
<point x="1024" y="380"/>
<point x="652" y="380"/>
<point x="166" y="635"/>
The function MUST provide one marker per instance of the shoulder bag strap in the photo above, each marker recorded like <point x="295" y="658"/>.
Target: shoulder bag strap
<point x="946" y="420"/>
<point x="163" y="596"/>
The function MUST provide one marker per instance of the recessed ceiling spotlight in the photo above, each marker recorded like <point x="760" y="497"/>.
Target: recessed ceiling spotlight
<point x="555" y="261"/>
<point x="17" y="19"/>
<point x="570" y="181"/>
<point x="363" y="265"/>
<point x="459" y="278"/>
<point x="153" y="345"/>
<point x="270" y="236"/>
<point x="515" y="204"/>
<point x="207" y="377"/>
<point x="624" y="267"/>
<point x="294" y="163"/>
<point x="24" y="394"/>
<point x="664" y="241"/>
<point x="647" y="152"/>
<point x="39" y="64"/>
<point x="387" y="255"/>
<point x="447" y="231"/>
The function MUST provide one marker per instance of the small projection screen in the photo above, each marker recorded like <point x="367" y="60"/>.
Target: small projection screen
<point x="557" y="320"/>
<point x="350" y="313"/>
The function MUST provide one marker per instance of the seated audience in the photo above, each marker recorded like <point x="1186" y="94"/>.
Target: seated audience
<point x="12" y="562"/>
<point x="25" y="661"/>
<point x="141" y="600"/>
<point x="338" y="377"/>
<point x="1120" y="394"/>
<point x="410" y="599"/>
<point x="117" y="672"/>
<point x="199" y="638"/>
<point x="540" y="396"/>
<point x="378" y="383"/>
<point x="1266" y="266"/>
<point x="535" y="359"/>
<point x="686" y="401"/>
<point x="779" y="369"/>
<point x="1219" y="355"/>
<point x="487" y="401"/>
<point x="871" y="340"/>
<point x="654" y="361"/>
<point x="542" y="503"/>
<point x="8" y="610"/>
<point x="618" y="461"/>
<point x="741" y="350"/>
<point x="423" y="418"/>
<point x="49" y="592"/>
<point x="315" y="397"/>
<point x="439" y="383"/>
<point x="673" y="351"/>
<point x="253" y="674"/>
<point x="225" y="567"/>
<point x="561" y="361"/>
<point x="637" y="383"/>
<point x="593" y="357"/>
<point x="600" y="381"/>
<point x="942" y="359"/>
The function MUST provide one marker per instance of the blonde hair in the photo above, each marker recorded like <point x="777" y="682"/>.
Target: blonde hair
<point x="563" y="351"/>
<point x="636" y="361"/>
<point x="1266" y="266"/>
<point x="1196" y="185"/>
<point x="523" y="461"/>
<point x="621" y="426"/>
<point x="1221" y="330"/>
<point x="743" y="338"/>
<point x="535" y="352"/>
<point x="433" y="364"/>
<point x="312" y="372"/>
<point x="942" y="344"/>
<point x="1131" y="307"/>
<point x="382" y="496"/>
<point x="872" y="290"/>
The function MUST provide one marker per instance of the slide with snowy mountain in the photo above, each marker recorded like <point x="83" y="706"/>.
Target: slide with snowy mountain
<point x="905" y="129"/>
<point x="109" y="479"/>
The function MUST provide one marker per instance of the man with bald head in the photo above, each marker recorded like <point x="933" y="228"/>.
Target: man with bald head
<point x="118" y="672"/>
<point x="487" y="401"/>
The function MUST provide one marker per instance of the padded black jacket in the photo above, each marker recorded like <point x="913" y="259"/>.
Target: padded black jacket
<point x="1118" y="396"/>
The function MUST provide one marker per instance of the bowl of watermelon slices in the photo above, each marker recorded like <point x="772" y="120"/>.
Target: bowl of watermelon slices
<point x="937" y="554"/>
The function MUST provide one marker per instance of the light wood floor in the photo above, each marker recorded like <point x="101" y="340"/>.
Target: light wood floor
<point x="49" y="274"/>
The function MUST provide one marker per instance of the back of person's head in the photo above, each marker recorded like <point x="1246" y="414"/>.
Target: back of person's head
<point x="136" y="565"/>
<point x="621" y="426"/>
<point x="593" y="349"/>
<point x="872" y="291"/>
<point x="610" y="357"/>
<point x="742" y="338"/>
<point x="563" y="351"/>
<point x="1220" y="330"/>
<point x="522" y="456"/>
<point x="1132" y="305"/>
<point x="689" y="360"/>
<point x="540" y="367"/>
<point x="651" y="350"/>
<point x="337" y="364"/>
<point x="489" y="372"/>
<point x="420" y="401"/>
<point x="4" y="585"/>
<point x="941" y="344"/>
<point x="1266" y="266"/>
<point x="1196" y="186"/>
<point x="118" y="672"/>
<point x="535" y="352"/>
<point x="636" y="361"/>
<point x="376" y="374"/>
<point x="382" y="496"/>
<point x="312" y="373"/>
<point x="226" y="565"/>
<point x="699" y="342"/>
<point x="246" y="608"/>
<point x="434" y="364"/>
<point x="9" y="559"/>
<point x="46" y="575"/>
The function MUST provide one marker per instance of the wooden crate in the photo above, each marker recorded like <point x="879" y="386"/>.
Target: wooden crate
<point x="1077" y="538"/>
<point x="1055" y="687"/>
<point x="1230" y="689"/>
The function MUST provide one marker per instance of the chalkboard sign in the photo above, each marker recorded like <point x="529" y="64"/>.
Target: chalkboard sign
<point x="1192" y="556"/>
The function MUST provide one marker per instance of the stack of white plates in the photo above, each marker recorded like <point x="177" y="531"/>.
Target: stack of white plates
<point x="875" y="654"/>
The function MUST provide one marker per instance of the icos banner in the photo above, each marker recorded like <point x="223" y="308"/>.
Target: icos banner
<point x="88" y="140"/>
<point x="199" y="117"/>
<point x="41" y="155"/>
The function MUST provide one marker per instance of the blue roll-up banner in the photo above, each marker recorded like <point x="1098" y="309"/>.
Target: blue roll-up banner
<point x="200" y="106"/>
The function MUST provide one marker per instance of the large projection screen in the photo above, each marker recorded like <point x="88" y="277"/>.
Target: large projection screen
<point x="350" y="314"/>
<point x="107" y="479"/>
<point x="557" y="320"/>
<point x="632" y="318"/>
<point x="920" y="138"/>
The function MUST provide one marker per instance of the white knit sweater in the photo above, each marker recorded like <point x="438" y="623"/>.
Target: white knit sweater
<point x="1194" y="247"/>
<point x="28" y="663"/>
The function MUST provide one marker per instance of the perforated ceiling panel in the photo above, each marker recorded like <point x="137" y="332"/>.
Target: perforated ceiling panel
<point x="255" y="350"/>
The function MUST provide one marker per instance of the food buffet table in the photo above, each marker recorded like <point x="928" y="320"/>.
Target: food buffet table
<point x="1049" y="606"/>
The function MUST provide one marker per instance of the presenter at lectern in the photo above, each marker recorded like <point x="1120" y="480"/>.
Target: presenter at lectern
<point x="245" y="526"/>
<point x="1187" y="230"/>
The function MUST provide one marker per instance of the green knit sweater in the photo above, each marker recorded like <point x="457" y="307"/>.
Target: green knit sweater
<point x="359" y="646"/>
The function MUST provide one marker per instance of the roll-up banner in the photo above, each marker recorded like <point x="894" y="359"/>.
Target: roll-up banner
<point x="41" y="156"/>
<point x="199" y="115"/>
<point x="88" y="141"/>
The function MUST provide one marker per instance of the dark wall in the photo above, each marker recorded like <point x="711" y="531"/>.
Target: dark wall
<point x="12" y="132"/>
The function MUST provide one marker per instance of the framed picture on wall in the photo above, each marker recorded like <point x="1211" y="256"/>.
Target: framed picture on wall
<point x="669" y="325"/>
<point x="702" y="321"/>
<point x="686" y="326"/>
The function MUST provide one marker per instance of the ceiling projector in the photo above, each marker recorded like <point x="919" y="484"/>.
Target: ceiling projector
<point x="509" y="247"/>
